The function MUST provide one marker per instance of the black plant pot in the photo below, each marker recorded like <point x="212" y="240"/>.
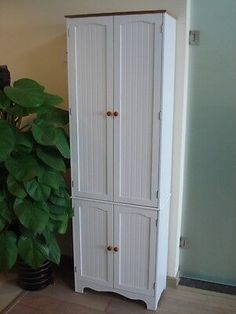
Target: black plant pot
<point x="34" y="279"/>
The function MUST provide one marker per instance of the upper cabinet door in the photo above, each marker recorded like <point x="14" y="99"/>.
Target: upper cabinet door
<point x="90" y="47"/>
<point x="137" y="86"/>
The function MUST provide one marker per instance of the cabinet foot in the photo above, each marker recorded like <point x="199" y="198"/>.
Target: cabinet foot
<point x="79" y="289"/>
<point x="151" y="305"/>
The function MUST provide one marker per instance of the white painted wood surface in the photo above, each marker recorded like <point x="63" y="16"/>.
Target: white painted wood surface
<point x="94" y="225"/>
<point x="135" y="238"/>
<point x="137" y="72"/>
<point x="115" y="197"/>
<point x="90" y="47"/>
<point x="168" y="64"/>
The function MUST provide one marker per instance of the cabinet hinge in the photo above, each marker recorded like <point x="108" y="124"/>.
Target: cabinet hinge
<point x="156" y="222"/>
<point x="157" y="194"/>
<point x="159" y="115"/>
<point x="162" y="28"/>
<point x="68" y="32"/>
<point x="75" y="268"/>
<point x="183" y="242"/>
<point x="154" y="285"/>
<point x="70" y="111"/>
<point x="72" y="183"/>
<point x="194" y="38"/>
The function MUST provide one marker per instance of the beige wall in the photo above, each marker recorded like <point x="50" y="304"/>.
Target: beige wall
<point x="33" y="44"/>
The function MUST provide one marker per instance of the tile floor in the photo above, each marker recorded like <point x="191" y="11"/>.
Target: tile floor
<point x="8" y="289"/>
<point x="60" y="299"/>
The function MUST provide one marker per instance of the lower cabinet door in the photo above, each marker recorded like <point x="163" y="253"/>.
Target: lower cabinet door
<point x="134" y="249"/>
<point x="93" y="239"/>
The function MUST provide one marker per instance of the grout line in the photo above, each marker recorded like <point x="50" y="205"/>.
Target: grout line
<point x="14" y="302"/>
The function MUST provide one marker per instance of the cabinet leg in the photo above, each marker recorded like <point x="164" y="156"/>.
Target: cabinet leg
<point x="79" y="289"/>
<point x="151" y="305"/>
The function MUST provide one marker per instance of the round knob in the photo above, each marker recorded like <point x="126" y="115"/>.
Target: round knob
<point x="116" y="249"/>
<point x="116" y="114"/>
<point x="109" y="248"/>
<point x="109" y="113"/>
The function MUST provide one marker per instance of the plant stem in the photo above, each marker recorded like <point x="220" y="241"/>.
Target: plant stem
<point x="24" y="127"/>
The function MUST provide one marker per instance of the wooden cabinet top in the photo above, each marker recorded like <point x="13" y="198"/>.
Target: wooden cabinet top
<point x="116" y="13"/>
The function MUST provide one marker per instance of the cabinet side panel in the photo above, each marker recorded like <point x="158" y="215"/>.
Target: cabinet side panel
<point x="90" y="63"/>
<point x="166" y="148"/>
<point x="137" y="56"/>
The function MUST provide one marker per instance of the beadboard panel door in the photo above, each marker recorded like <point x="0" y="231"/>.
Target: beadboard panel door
<point x="137" y="85"/>
<point x="90" y="45"/>
<point x="94" y="230"/>
<point x="135" y="238"/>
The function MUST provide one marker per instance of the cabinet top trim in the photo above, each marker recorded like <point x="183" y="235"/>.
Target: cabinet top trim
<point x="116" y="13"/>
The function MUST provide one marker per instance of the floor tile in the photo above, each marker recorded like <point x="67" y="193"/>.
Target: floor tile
<point x="122" y="305"/>
<point x="62" y="291"/>
<point x="71" y="308"/>
<point x="41" y="302"/>
<point x="23" y="309"/>
<point x="61" y="299"/>
<point x="8" y="292"/>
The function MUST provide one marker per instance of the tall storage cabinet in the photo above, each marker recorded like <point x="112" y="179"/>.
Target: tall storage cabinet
<point x="121" y="87"/>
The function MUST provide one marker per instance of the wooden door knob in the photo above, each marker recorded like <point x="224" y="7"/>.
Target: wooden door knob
<point x="116" y="249"/>
<point x="109" y="113"/>
<point x="116" y="114"/>
<point x="109" y="248"/>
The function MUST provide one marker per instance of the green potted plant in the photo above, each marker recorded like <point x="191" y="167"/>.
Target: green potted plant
<point x="35" y="203"/>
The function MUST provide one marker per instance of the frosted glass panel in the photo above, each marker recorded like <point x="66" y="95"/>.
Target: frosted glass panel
<point x="209" y="213"/>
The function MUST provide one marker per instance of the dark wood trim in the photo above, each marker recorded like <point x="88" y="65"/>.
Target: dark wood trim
<point x="115" y="13"/>
<point x="206" y="285"/>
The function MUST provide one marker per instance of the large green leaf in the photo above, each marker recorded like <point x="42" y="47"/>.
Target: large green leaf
<point x="3" y="223"/>
<point x="51" y="158"/>
<point x="24" y="141"/>
<point x="51" y="178"/>
<point x="62" y="143"/>
<point x="4" y="100"/>
<point x="54" y="250"/>
<point x="52" y="100"/>
<point x="43" y="132"/>
<point x="7" y="140"/>
<point x="61" y="197"/>
<point x="60" y="210"/>
<point x="53" y="115"/>
<point x="47" y="134"/>
<point x="38" y="191"/>
<point x="32" y="251"/>
<point x="2" y="195"/>
<point x="28" y="84"/>
<point x="26" y="93"/>
<point x="17" y="111"/>
<point x="23" y="167"/>
<point x="62" y="192"/>
<point x="60" y="222"/>
<point x="8" y="249"/>
<point x="5" y="215"/>
<point x="15" y="187"/>
<point x="32" y="215"/>
<point x="59" y="201"/>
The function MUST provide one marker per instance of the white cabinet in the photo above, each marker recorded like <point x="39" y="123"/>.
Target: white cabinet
<point x="121" y="86"/>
